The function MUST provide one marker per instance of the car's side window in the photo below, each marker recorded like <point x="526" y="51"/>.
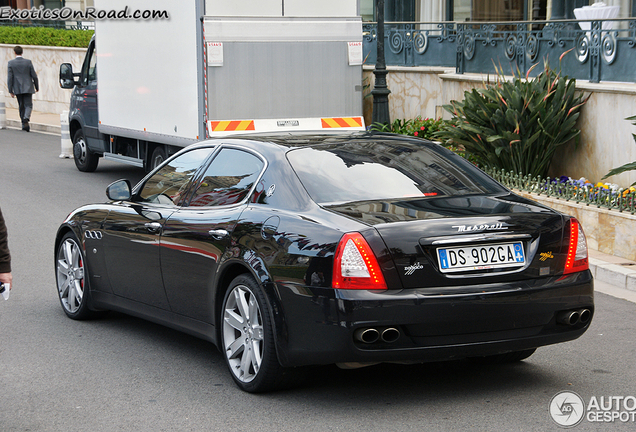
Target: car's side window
<point x="171" y="183"/>
<point x="228" y="179"/>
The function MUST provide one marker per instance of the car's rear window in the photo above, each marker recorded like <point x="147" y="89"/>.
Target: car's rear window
<point x="363" y="171"/>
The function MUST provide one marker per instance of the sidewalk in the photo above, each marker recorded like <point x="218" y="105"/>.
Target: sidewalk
<point x="40" y="122"/>
<point x="616" y="271"/>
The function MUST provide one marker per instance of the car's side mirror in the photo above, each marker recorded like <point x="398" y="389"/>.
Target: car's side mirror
<point x="119" y="190"/>
<point x="67" y="77"/>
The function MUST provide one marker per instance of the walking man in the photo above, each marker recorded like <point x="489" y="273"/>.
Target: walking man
<point x="22" y="83"/>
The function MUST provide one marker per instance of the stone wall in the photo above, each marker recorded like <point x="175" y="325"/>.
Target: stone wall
<point x="46" y="61"/>
<point x="606" y="137"/>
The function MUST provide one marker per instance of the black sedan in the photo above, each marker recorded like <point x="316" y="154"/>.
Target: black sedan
<point x="295" y="250"/>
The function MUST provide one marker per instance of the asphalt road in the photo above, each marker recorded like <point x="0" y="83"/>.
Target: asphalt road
<point x="123" y="374"/>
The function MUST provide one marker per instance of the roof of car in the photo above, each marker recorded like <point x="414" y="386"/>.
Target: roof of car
<point x="288" y="140"/>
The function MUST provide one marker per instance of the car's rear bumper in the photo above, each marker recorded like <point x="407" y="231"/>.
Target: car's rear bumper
<point x="318" y="325"/>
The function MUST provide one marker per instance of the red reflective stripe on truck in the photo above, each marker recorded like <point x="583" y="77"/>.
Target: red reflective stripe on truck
<point x="338" y="122"/>
<point x="232" y="125"/>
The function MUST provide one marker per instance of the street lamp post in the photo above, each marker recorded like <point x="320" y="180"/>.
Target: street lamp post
<point x="380" y="90"/>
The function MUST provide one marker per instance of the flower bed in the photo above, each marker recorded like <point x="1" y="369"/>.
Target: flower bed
<point x="601" y="195"/>
<point x="606" y="211"/>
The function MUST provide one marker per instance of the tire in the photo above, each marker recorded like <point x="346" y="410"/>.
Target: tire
<point x="157" y="158"/>
<point x="511" y="357"/>
<point x="85" y="160"/>
<point x="72" y="279"/>
<point x="247" y="339"/>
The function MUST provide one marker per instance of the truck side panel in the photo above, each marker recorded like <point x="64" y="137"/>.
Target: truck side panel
<point x="150" y="72"/>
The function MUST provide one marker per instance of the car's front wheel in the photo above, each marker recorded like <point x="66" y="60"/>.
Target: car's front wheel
<point x="247" y="338"/>
<point x="72" y="279"/>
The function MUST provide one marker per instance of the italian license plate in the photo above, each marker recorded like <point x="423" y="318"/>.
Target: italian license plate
<point x="480" y="257"/>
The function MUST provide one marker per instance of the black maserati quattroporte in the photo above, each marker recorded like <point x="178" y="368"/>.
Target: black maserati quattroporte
<point x="295" y="250"/>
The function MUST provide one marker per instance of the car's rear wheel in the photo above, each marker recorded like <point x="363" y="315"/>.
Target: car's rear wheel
<point x="247" y="338"/>
<point x="72" y="279"/>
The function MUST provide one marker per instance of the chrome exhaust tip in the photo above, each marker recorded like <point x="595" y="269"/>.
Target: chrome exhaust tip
<point x="584" y="316"/>
<point x="368" y="335"/>
<point x="390" y="335"/>
<point x="569" y="317"/>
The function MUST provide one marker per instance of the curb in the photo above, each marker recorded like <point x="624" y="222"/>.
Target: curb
<point x="36" y="127"/>
<point x="619" y="275"/>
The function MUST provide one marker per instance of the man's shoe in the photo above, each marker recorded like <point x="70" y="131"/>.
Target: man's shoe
<point x="25" y="126"/>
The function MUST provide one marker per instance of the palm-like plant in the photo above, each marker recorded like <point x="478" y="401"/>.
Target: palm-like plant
<point x="517" y="124"/>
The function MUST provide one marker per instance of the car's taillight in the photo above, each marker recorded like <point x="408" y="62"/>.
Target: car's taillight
<point x="576" y="260"/>
<point x="355" y="265"/>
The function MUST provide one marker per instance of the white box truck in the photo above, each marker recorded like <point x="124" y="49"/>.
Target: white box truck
<point x="150" y="87"/>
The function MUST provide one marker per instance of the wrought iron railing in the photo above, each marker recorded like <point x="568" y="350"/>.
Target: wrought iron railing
<point x="598" y="54"/>
<point x="623" y="200"/>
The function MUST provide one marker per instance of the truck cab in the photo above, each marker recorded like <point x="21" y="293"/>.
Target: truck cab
<point x="88" y="143"/>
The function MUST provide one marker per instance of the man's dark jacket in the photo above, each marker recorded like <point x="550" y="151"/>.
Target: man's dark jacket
<point x="5" y="257"/>
<point x="21" y="76"/>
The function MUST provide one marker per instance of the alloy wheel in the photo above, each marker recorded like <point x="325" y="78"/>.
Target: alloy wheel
<point x="70" y="275"/>
<point x="243" y="333"/>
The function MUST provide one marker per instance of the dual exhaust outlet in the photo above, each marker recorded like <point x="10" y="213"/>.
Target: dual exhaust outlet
<point x="391" y="334"/>
<point x="574" y="317"/>
<point x="372" y="335"/>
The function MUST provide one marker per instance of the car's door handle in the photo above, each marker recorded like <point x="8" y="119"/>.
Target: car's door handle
<point x="219" y="233"/>
<point x="153" y="226"/>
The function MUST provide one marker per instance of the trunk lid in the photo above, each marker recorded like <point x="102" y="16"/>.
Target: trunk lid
<point x="499" y="237"/>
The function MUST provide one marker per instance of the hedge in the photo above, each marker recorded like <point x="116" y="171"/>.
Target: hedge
<point x="45" y="36"/>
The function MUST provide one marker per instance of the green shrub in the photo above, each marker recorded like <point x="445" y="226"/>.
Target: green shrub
<point x="628" y="166"/>
<point x="45" y="36"/>
<point x="418" y="127"/>
<point x="516" y="125"/>
<point x="426" y="128"/>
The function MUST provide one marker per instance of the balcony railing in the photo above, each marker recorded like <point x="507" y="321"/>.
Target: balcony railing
<point x="598" y="54"/>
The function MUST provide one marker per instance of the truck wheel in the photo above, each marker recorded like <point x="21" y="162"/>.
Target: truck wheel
<point x="85" y="160"/>
<point x="158" y="156"/>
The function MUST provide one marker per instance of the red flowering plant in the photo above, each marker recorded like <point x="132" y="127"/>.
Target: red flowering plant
<point x="417" y="127"/>
<point x="425" y="128"/>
